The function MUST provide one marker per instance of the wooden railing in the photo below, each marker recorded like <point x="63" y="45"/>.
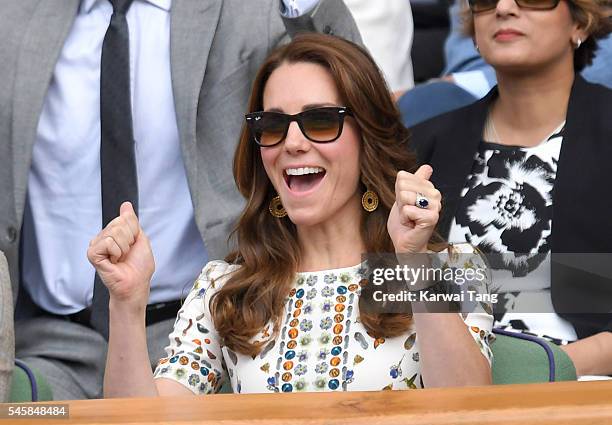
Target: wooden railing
<point x="568" y="403"/>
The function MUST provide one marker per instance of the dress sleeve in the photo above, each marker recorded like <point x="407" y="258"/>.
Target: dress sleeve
<point x="479" y="317"/>
<point x="480" y="326"/>
<point x="194" y="356"/>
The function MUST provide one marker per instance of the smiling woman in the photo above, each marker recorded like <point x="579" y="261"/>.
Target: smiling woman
<point x="321" y="163"/>
<point x="366" y="150"/>
<point x="332" y="194"/>
<point x="325" y="140"/>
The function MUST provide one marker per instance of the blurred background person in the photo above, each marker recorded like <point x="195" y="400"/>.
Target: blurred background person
<point x="514" y="167"/>
<point x="466" y="77"/>
<point x="387" y="31"/>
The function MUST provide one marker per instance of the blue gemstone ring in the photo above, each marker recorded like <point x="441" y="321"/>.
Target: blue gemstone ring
<point x="421" y="201"/>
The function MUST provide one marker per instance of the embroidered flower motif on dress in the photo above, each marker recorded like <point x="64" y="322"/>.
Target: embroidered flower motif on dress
<point x="328" y="291"/>
<point x="194" y="380"/>
<point x="300" y="384"/>
<point x="327" y="306"/>
<point x="320" y="383"/>
<point x="321" y="368"/>
<point x="306" y="325"/>
<point x="325" y="338"/>
<point x="301" y="370"/>
<point x="326" y="323"/>
<point x="330" y="278"/>
<point x="305" y="340"/>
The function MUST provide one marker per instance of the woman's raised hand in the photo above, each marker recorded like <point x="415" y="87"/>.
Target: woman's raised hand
<point x="122" y="256"/>
<point x="410" y="227"/>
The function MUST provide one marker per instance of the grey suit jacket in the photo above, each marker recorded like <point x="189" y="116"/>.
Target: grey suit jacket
<point x="7" y="341"/>
<point x="216" y="47"/>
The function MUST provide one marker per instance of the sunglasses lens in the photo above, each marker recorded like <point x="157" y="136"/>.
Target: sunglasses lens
<point x="538" y="4"/>
<point x="478" y="6"/>
<point x="321" y="125"/>
<point x="269" y="128"/>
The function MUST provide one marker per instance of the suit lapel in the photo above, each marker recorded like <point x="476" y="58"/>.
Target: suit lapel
<point x="453" y="163"/>
<point x="574" y="155"/>
<point x="192" y="29"/>
<point x="41" y="47"/>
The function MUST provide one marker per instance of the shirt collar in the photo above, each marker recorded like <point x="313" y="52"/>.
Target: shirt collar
<point x="88" y="5"/>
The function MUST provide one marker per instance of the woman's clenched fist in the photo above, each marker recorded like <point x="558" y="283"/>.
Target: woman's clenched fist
<point x="122" y="256"/>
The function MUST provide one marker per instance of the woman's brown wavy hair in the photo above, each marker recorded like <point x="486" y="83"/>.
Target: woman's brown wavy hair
<point x="268" y="251"/>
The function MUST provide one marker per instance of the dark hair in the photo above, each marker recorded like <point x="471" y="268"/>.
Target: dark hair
<point x="268" y="251"/>
<point x="592" y="15"/>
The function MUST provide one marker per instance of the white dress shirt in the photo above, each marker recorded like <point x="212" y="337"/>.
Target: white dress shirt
<point x="295" y="8"/>
<point x="64" y="208"/>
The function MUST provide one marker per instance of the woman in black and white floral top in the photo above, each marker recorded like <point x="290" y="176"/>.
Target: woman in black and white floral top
<point x="319" y="166"/>
<point x="525" y="171"/>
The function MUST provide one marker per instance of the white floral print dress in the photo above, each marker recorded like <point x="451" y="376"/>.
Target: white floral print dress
<point x="322" y="346"/>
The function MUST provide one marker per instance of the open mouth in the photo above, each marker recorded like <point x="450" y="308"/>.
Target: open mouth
<point x="303" y="179"/>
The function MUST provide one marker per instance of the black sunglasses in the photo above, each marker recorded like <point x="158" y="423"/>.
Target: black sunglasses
<point x="320" y="125"/>
<point x="477" y="6"/>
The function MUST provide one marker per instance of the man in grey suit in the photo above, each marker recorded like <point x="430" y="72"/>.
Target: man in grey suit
<point x="191" y="63"/>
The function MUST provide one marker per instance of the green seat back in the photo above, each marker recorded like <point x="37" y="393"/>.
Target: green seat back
<point x="28" y="385"/>
<point x="522" y="361"/>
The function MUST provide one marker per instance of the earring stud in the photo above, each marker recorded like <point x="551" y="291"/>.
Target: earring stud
<point x="578" y="43"/>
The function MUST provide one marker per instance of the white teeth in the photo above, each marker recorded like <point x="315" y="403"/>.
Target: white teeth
<point x="303" y="171"/>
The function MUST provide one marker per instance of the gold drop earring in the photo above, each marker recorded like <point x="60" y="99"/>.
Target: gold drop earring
<point x="276" y="208"/>
<point x="369" y="201"/>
